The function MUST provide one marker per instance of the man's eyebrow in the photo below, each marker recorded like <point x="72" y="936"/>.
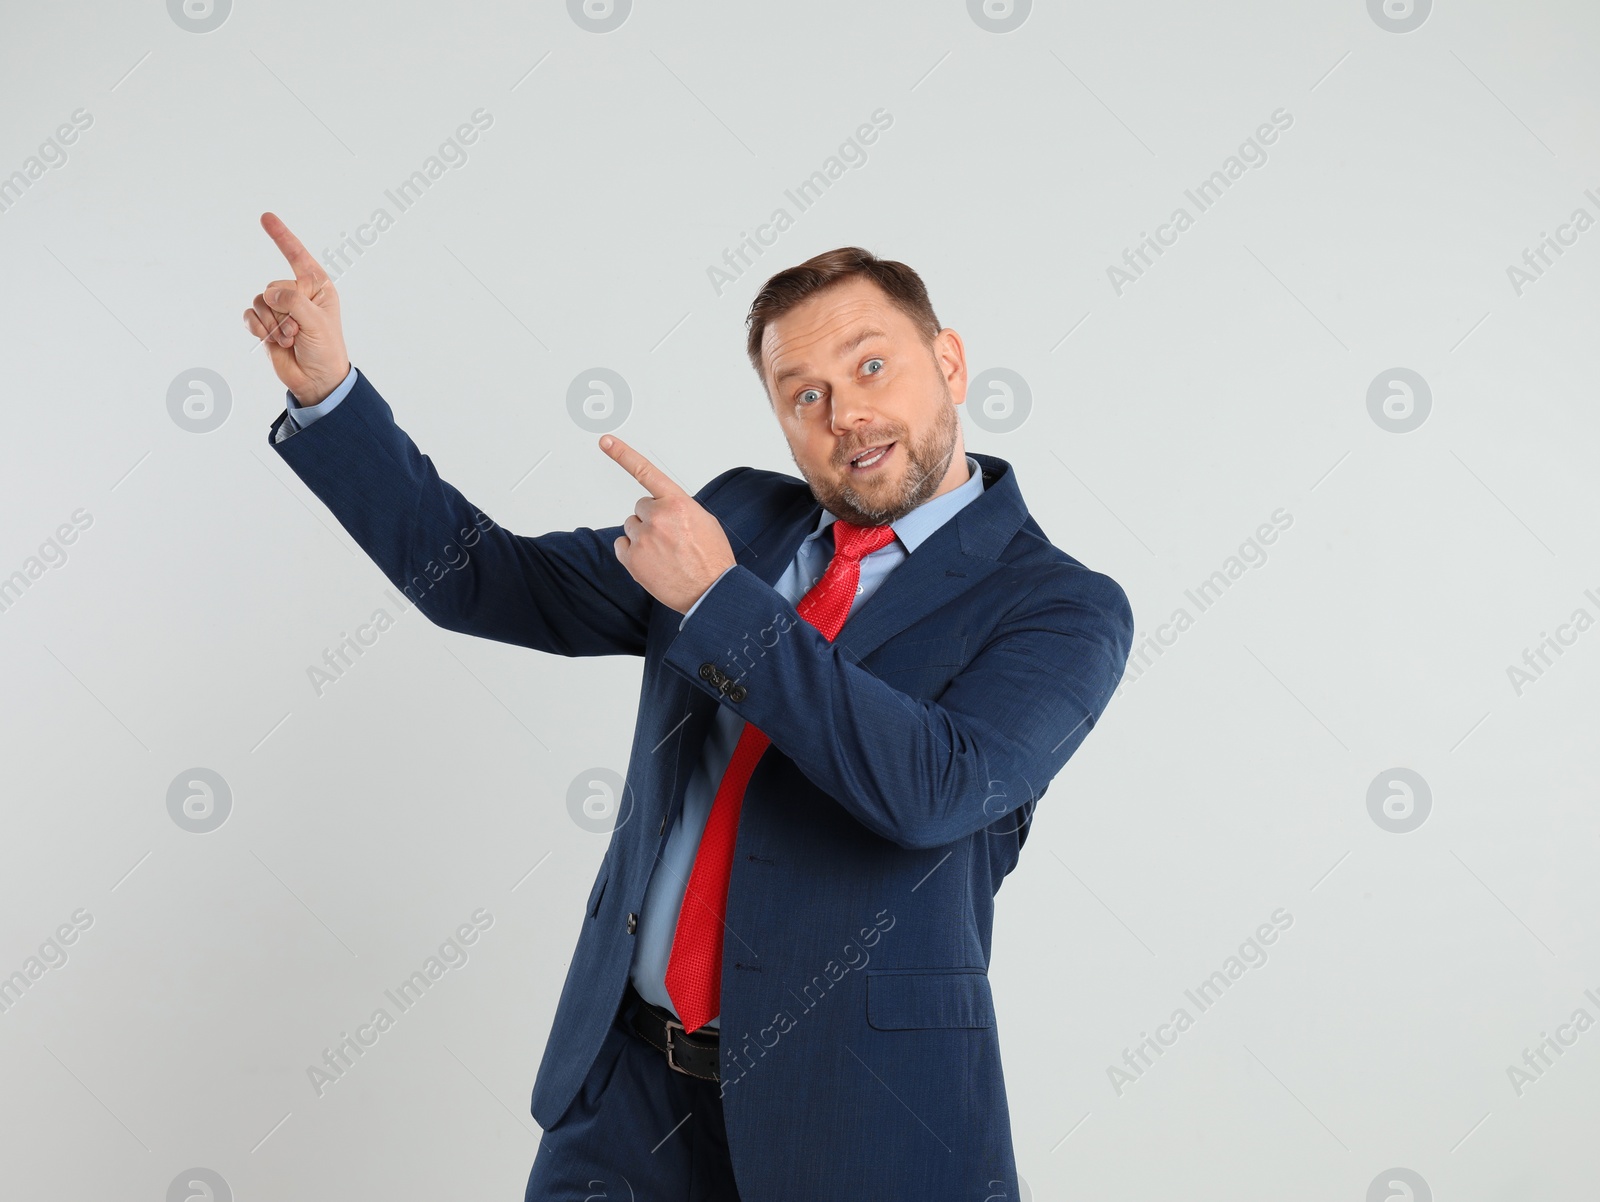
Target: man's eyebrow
<point x="843" y="349"/>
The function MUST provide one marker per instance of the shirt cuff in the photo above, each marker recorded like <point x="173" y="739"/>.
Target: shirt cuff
<point x="301" y="416"/>
<point x="702" y="596"/>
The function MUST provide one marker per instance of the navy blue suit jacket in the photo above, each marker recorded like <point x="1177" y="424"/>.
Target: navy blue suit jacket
<point x="861" y="1056"/>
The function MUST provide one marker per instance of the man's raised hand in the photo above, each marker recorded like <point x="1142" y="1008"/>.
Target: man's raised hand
<point x="671" y="544"/>
<point x="299" y="321"/>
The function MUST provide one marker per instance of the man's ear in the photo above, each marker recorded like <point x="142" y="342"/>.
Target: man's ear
<point x="950" y="354"/>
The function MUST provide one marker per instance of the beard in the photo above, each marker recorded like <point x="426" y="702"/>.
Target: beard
<point x="879" y="504"/>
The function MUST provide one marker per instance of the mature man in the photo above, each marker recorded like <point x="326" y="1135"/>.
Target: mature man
<point x="855" y="690"/>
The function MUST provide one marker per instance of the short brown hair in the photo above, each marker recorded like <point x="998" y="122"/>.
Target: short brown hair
<point x="793" y="285"/>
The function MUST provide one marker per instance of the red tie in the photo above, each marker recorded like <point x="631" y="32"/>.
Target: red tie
<point x="694" y="970"/>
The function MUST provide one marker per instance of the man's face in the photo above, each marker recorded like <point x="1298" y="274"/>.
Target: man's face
<point x="847" y="371"/>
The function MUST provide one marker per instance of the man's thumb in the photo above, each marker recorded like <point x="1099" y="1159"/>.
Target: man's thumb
<point x="288" y="298"/>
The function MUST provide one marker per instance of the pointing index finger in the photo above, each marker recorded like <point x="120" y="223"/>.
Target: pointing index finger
<point x="306" y="269"/>
<point x="654" y="481"/>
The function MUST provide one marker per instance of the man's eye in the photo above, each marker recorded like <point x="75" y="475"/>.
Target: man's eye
<point x="870" y="362"/>
<point x="810" y="392"/>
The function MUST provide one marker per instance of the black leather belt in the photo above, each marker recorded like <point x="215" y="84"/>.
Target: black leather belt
<point x="693" y="1055"/>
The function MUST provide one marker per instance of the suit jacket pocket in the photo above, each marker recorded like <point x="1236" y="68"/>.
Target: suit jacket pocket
<point x="921" y="998"/>
<point x="945" y="651"/>
<point x="923" y="667"/>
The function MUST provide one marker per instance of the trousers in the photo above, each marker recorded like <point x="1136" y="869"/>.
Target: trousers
<point x="636" y="1131"/>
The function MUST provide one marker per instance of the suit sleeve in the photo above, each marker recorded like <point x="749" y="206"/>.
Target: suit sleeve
<point x="564" y="592"/>
<point x="919" y="773"/>
<point x="301" y="416"/>
<point x="688" y="613"/>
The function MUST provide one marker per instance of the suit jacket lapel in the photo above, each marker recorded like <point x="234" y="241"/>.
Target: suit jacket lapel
<point x="953" y="559"/>
<point x="772" y="549"/>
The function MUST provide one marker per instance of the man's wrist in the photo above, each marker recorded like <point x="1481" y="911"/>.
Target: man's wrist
<point x="322" y="394"/>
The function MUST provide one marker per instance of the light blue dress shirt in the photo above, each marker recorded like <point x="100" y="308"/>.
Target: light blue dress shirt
<point x="658" y="918"/>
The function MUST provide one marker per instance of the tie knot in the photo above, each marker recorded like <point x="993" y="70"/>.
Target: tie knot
<point x="853" y="542"/>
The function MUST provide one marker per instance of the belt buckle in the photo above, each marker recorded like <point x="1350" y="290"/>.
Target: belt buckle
<point x="671" y="1061"/>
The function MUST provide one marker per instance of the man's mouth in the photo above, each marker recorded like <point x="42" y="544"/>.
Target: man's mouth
<point x="871" y="457"/>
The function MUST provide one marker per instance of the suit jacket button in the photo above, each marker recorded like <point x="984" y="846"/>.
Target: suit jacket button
<point x="633" y="923"/>
<point x="708" y="671"/>
<point x="738" y="692"/>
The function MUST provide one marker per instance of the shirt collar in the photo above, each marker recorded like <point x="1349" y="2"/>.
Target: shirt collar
<point x="925" y="518"/>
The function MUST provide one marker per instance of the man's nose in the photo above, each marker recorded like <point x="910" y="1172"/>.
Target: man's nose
<point x="850" y="409"/>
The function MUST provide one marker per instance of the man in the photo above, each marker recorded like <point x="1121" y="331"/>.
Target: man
<point x="855" y="690"/>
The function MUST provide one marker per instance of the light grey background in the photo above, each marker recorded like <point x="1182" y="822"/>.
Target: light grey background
<point x="1228" y="779"/>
